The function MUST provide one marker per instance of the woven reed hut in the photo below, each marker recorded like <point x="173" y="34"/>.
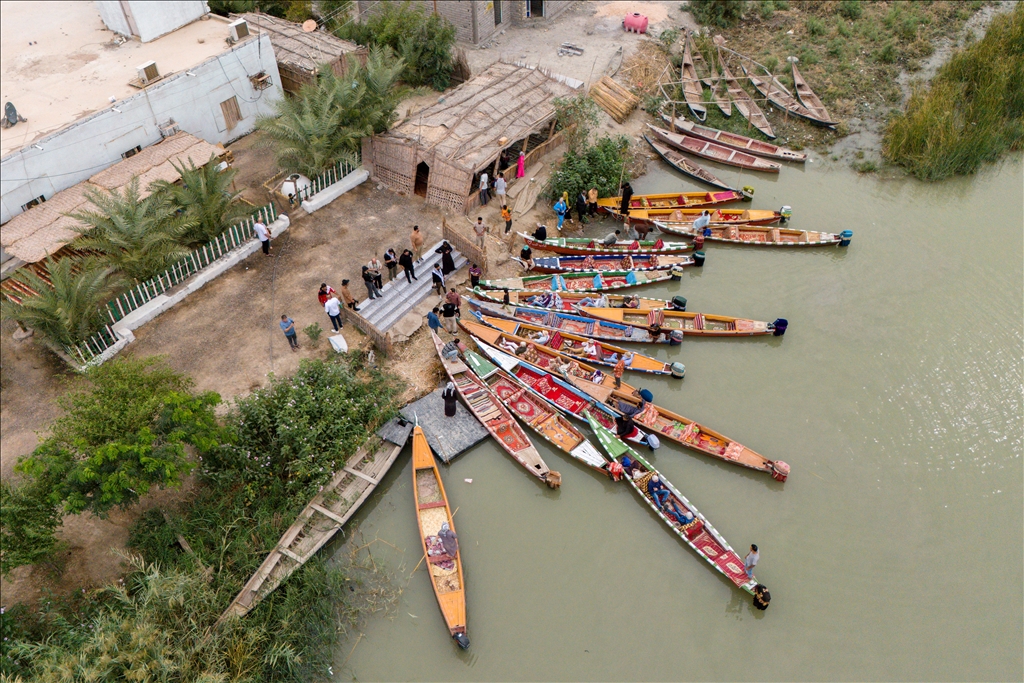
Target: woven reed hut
<point x="299" y="54"/>
<point x="439" y="153"/>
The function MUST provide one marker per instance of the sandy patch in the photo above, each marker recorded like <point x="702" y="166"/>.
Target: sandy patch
<point x="654" y="11"/>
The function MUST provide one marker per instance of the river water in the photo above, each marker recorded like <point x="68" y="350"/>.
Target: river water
<point x="894" y="551"/>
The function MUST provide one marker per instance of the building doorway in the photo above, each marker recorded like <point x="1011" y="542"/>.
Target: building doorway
<point x="497" y="12"/>
<point x="535" y="8"/>
<point x="422" y="179"/>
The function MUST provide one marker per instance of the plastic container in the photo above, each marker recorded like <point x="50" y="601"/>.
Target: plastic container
<point x="635" y="22"/>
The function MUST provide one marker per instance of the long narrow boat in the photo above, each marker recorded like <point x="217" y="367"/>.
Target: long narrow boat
<point x="583" y="348"/>
<point x="494" y="417"/>
<point x="661" y="421"/>
<point x="807" y="97"/>
<point x="699" y="64"/>
<point x="557" y="321"/>
<point x="762" y="149"/>
<point x="432" y="515"/>
<point x="776" y="93"/>
<point x="693" y="91"/>
<point x="761" y="236"/>
<point x="687" y="322"/>
<point x="718" y="216"/>
<point x="608" y="262"/>
<point x="677" y="512"/>
<point x="677" y="161"/>
<point x="745" y="104"/>
<point x="583" y="246"/>
<point x="714" y="151"/>
<point x="537" y="414"/>
<point x="675" y="200"/>
<point x="579" y="282"/>
<point x="567" y="301"/>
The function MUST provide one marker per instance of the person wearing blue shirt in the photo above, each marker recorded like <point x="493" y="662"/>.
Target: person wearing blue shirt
<point x="288" y="327"/>
<point x="433" y="322"/>
<point x="683" y="517"/>
<point x="561" y="210"/>
<point x="658" y="491"/>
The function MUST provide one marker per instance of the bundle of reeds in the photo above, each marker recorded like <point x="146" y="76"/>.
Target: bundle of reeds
<point x="614" y="99"/>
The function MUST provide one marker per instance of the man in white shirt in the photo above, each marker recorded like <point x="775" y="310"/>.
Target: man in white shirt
<point x="499" y="188"/>
<point x="702" y="222"/>
<point x="333" y="310"/>
<point x="263" y="233"/>
<point x="750" y="561"/>
<point x="484" y="186"/>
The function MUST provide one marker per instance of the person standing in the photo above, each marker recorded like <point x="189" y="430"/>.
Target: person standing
<point x="347" y="297"/>
<point x="433" y="322"/>
<point x="416" y="239"/>
<point x="447" y="262"/>
<point x="521" y="165"/>
<point x="375" y="271"/>
<point x="751" y="560"/>
<point x="506" y="215"/>
<point x="474" y="275"/>
<point x="391" y="263"/>
<point x="453" y="297"/>
<point x="438" y="279"/>
<point x="325" y="293"/>
<point x="480" y="230"/>
<point x="581" y="206"/>
<point x="702" y="222"/>
<point x="448" y="311"/>
<point x="499" y="188"/>
<point x="592" y="201"/>
<point x="263" y="234"/>
<point x="504" y="296"/>
<point x="560" y="210"/>
<point x="371" y="284"/>
<point x="484" y="187"/>
<point x="332" y="307"/>
<point x="288" y="327"/>
<point x="405" y="260"/>
<point x="627" y="194"/>
<point x="450" y="398"/>
<point x="617" y="371"/>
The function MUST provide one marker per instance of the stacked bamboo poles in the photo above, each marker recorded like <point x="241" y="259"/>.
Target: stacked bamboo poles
<point x="614" y="99"/>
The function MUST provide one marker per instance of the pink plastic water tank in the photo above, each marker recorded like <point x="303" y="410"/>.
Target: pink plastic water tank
<point x="635" y="22"/>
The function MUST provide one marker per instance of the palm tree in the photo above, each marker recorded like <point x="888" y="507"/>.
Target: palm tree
<point x="205" y="198"/>
<point x="68" y="303"/>
<point x="137" y="237"/>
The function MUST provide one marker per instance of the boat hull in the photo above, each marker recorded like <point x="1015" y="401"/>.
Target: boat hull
<point x="565" y="247"/>
<point x="675" y="200"/>
<point x="566" y="302"/>
<point x="579" y="282"/>
<point x="757" y="236"/>
<point x="602" y="263"/>
<point x="677" y="161"/>
<point x="714" y="151"/>
<point x="765" y="150"/>
<point x="690" y="323"/>
<point x="558" y="321"/>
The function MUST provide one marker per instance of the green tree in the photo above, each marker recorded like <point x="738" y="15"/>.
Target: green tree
<point x="126" y="432"/>
<point x="68" y="304"/>
<point x="576" y="116"/>
<point x="28" y="521"/>
<point x="206" y="199"/>
<point x="138" y="237"/>
<point x="601" y="165"/>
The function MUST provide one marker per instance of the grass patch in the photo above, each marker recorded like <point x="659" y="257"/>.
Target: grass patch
<point x="973" y="112"/>
<point x="815" y="27"/>
<point x="851" y="9"/>
<point x="867" y="166"/>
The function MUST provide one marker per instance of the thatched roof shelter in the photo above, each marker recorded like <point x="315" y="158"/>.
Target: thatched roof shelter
<point x="440" y="150"/>
<point x="299" y="54"/>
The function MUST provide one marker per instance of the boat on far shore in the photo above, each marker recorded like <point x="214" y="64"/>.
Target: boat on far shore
<point x="714" y="151"/>
<point x="759" y="147"/>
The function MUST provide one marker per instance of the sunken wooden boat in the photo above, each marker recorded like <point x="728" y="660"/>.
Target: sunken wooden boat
<point x="494" y="416"/>
<point x="677" y="161"/>
<point x="756" y="235"/>
<point x="583" y="348"/>
<point x="687" y="322"/>
<point x="718" y="216"/>
<point x="693" y="91"/>
<point x="759" y="147"/>
<point x="558" y="321"/>
<point x="678" y="513"/>
<point x="608" y="262"/>
<point x="579" y="282"/>
<point x="536" y="413"/>
<point x="807" y="97"/>
<point x="433" y="515"/>
<point x="718" y="94"/>
<point x="776" y="93"/>
<point x="567" y="301"/>
<point x="714" y="151"/>
<point x="675" y="200"/>
<point x="745" y="104"/>
<point x="583" y="246"/>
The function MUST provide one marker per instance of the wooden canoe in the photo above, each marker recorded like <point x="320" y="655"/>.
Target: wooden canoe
<point x="714" y="151"/>
<point x="677" y="161"/>
<point x="718" y="216"/>
<point x="567" y="301"/>
<point x="558" y="321"/>
<point x="735" y="140"/>
<point x="575" y="346"/>
<point x="745" y="104"/>
<point x="720" y="97"/>
<point x="771" y="88"/>
<point x="757" y="235"/>
<point x="433" y="511"/>
<point x="537" y="414"/>
<point x="693" y="91"/>
<point x="494" y="417"/>
<point x="698" y="533"/>
<point x="579" y="282"/>
<point x="807" y="97"/>
<point x="688" y="322"/>
<point x="607" y="262"/>
<point x="583" y="246"/>
<point x="674" y="200"/>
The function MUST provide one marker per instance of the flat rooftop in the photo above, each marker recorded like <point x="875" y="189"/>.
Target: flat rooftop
<point x="73" y="65"/>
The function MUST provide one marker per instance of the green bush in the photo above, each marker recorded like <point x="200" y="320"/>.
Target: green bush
<point x="888" y="54"/>
<point x="313" y="331"/>
<point x="722" y="13"/>
<point x="837" y="47"/>
<point x="600" y="165"/>
<point x="815" y="27"/>
<point x="843" y="29"/>
<point x="851" y="9"/>
<point x="576" y="116"/>
<point x="28" y="521"/>
<point x="766" y="9"/>
<point x="808" y="56"/>
<point x="771" y="62"/>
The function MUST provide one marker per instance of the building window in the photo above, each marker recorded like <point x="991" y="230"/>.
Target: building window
<point x="132" y="152"/>
<point x="232" y="115"/>
<point x="35" y="202"/>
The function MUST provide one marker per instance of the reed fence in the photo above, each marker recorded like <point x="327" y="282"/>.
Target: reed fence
<point x="464" y="245"/>
<point x="381" y="340"/>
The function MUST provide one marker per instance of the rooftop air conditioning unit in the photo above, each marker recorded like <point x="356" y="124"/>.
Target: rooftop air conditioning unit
<point x="239" y="30"/>
<point x="148" y="73"/>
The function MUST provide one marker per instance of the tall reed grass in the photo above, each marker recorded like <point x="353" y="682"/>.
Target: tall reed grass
<point x="974" y="111"/>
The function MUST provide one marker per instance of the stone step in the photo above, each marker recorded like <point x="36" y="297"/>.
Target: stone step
<point x="410" y="299"/>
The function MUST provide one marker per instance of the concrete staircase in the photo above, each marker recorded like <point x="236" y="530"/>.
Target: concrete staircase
<point x="400" y="297"/>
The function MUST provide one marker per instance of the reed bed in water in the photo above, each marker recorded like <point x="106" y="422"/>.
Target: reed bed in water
<point x="973" y="112"/>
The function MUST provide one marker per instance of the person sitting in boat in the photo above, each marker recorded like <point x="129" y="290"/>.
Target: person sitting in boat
<point x="680" y="514"/>
<point x="526" y="256"/>
<point x="541" y="337"/>
<point x="590" y="348"/>
<point x="657" y="490"/>
<point x="509" y="345"/>
<point x="628" y="358"/>
<point x="631" y="467"/>
<point x="541" y="233"/>
<point x="611" y="238"/>
<point x="624" y="426"/>
<point x="449" y="539"/>
<point x="631" y="301"/>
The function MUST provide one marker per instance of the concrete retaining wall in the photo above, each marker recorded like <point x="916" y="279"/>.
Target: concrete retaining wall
<point x="329" y="194"/>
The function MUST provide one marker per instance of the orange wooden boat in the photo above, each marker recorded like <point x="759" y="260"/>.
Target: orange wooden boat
<point x="734" y="140"/>
<point x="433" y="514"/>
<point x="714" y="151"/>
<point x="688" y="322"/>
<point x="718" y="216"/>
<point x="759" y="235"/>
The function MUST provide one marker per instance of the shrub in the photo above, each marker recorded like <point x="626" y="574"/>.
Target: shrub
<point x="668" y="38"/>
<point x="815" y="27"/>
<point x="837" y="47"/>
<point x="722" y="13"/>
<point x="782" y="5"/>
<point x="808" y="56"/>
<point x="867" y="166"/>
<point x="908" y="29"/>
<point x="600" y="165"/>
<point x="576" y="116"/>
<point x="766" y="9"/>
<point x="313" y="331"/>
<point x="28" y="522"/>
<point x="851" y="9"/>
<point x="843" y="29"/>
<point x="888" y="54"/>
<point x="771" y="62"/>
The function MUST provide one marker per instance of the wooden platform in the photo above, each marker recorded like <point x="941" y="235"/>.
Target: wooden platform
<point x="447" y="436"/>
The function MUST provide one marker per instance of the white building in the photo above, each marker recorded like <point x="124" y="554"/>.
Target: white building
<point x="61" y="67"/>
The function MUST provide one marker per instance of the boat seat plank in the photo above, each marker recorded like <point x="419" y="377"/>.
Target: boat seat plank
<point x="359" y="474"/>
<point x="327" y="513"/>
<point x="427" y="506"/>
<point x="289" y="554"/>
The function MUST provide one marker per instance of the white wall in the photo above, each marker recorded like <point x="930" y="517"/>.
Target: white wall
<point x="83" y="149"/>
<point x="113" y="16"/>
<point x="152" y="19"/>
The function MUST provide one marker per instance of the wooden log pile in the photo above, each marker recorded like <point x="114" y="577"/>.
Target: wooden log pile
<point x="614" y="99"/>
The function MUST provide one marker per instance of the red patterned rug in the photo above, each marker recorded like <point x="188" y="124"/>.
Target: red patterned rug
<point x="728" y="562"/>
<point x="510" y="437"/>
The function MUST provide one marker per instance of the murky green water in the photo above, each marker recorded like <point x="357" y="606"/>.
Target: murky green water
<point x="893" y="552"/>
